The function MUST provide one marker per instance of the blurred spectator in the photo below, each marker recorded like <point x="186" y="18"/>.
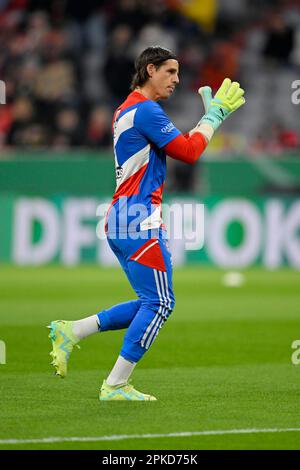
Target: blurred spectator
<point x="119" y="66"/>
<point x="280" y="39"/>
<point x="95" y="31"/>
<point x="222" y="62"/>
<point x="22" y="114"/>
<point x="37" y="29"/>
<point x="55" y="81"/>
<point x="153" y="33"/>
<point x="129" y="12"/>
<point x="25" y="130"/>
<point x="6" y="119"/>
<point x="99" y="132"/>
<point x="276" y="140"/>
<point x="191" y="60"/>
<point x="67" y="124"/>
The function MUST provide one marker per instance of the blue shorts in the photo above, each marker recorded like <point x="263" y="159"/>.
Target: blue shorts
<point x="148" y="267"/>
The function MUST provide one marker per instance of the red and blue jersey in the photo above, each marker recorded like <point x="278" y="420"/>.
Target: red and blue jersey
<point x="141" y="130"/>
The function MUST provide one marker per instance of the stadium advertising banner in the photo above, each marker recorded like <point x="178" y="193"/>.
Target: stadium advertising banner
<point x="229" y="232"/>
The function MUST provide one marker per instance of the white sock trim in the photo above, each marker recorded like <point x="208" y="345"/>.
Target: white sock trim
<point x="86" y="327"/>
<point x="120" y="372"/>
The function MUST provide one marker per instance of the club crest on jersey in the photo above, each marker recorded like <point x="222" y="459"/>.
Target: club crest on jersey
<point x="119" y="172"/>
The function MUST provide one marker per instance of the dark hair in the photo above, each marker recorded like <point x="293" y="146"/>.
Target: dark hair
<point x="155" y="55"/>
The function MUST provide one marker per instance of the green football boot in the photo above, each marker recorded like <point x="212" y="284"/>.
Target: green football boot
<point x="125" y="392"/>
<point x="63" y="342"/>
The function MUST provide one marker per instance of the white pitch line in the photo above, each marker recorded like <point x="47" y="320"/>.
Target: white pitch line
<point x="120" y="437"/>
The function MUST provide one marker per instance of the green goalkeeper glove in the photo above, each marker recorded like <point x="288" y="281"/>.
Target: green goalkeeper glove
<point x="228" y="99"/>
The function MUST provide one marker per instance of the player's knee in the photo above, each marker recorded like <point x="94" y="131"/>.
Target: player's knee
<point x="163" y="308"/>
<point x="163" y="304"/>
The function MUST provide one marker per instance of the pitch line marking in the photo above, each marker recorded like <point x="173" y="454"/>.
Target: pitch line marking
<point x="120" y="437"/>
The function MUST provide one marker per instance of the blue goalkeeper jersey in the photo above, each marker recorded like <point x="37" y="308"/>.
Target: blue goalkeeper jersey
<point x="141" y="129"/>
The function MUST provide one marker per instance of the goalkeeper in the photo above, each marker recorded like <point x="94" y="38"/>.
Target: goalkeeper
<point x="143" y="137"/>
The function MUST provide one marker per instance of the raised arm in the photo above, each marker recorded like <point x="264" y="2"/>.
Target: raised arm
<point x="188" y="148"/>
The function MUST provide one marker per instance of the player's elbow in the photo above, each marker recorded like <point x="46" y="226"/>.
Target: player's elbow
<point x="193" y="158"/>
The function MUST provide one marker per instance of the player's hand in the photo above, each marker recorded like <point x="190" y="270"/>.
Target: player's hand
<point x="228" y="99"/>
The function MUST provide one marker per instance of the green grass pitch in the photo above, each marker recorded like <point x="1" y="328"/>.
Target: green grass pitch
<point x="222" y="362"/>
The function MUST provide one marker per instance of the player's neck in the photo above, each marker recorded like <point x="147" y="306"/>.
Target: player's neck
<point x="148" y="92"/>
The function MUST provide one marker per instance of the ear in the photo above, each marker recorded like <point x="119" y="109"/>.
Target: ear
<point x="151" y="69"/>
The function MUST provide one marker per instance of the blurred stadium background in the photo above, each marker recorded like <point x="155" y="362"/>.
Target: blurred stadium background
<point x="66" y="66"/>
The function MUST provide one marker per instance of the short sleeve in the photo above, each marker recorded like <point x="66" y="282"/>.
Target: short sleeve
<point x="152" y="122"/>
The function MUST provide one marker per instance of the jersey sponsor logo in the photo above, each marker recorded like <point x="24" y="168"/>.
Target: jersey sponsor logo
<point x="168" y="128"/>
<point x="119" y="172"/>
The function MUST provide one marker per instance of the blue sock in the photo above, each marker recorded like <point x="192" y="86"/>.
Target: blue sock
<point x="119" y="316"/>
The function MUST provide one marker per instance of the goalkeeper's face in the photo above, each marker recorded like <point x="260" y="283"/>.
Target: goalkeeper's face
<point x="164" y="79"/>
